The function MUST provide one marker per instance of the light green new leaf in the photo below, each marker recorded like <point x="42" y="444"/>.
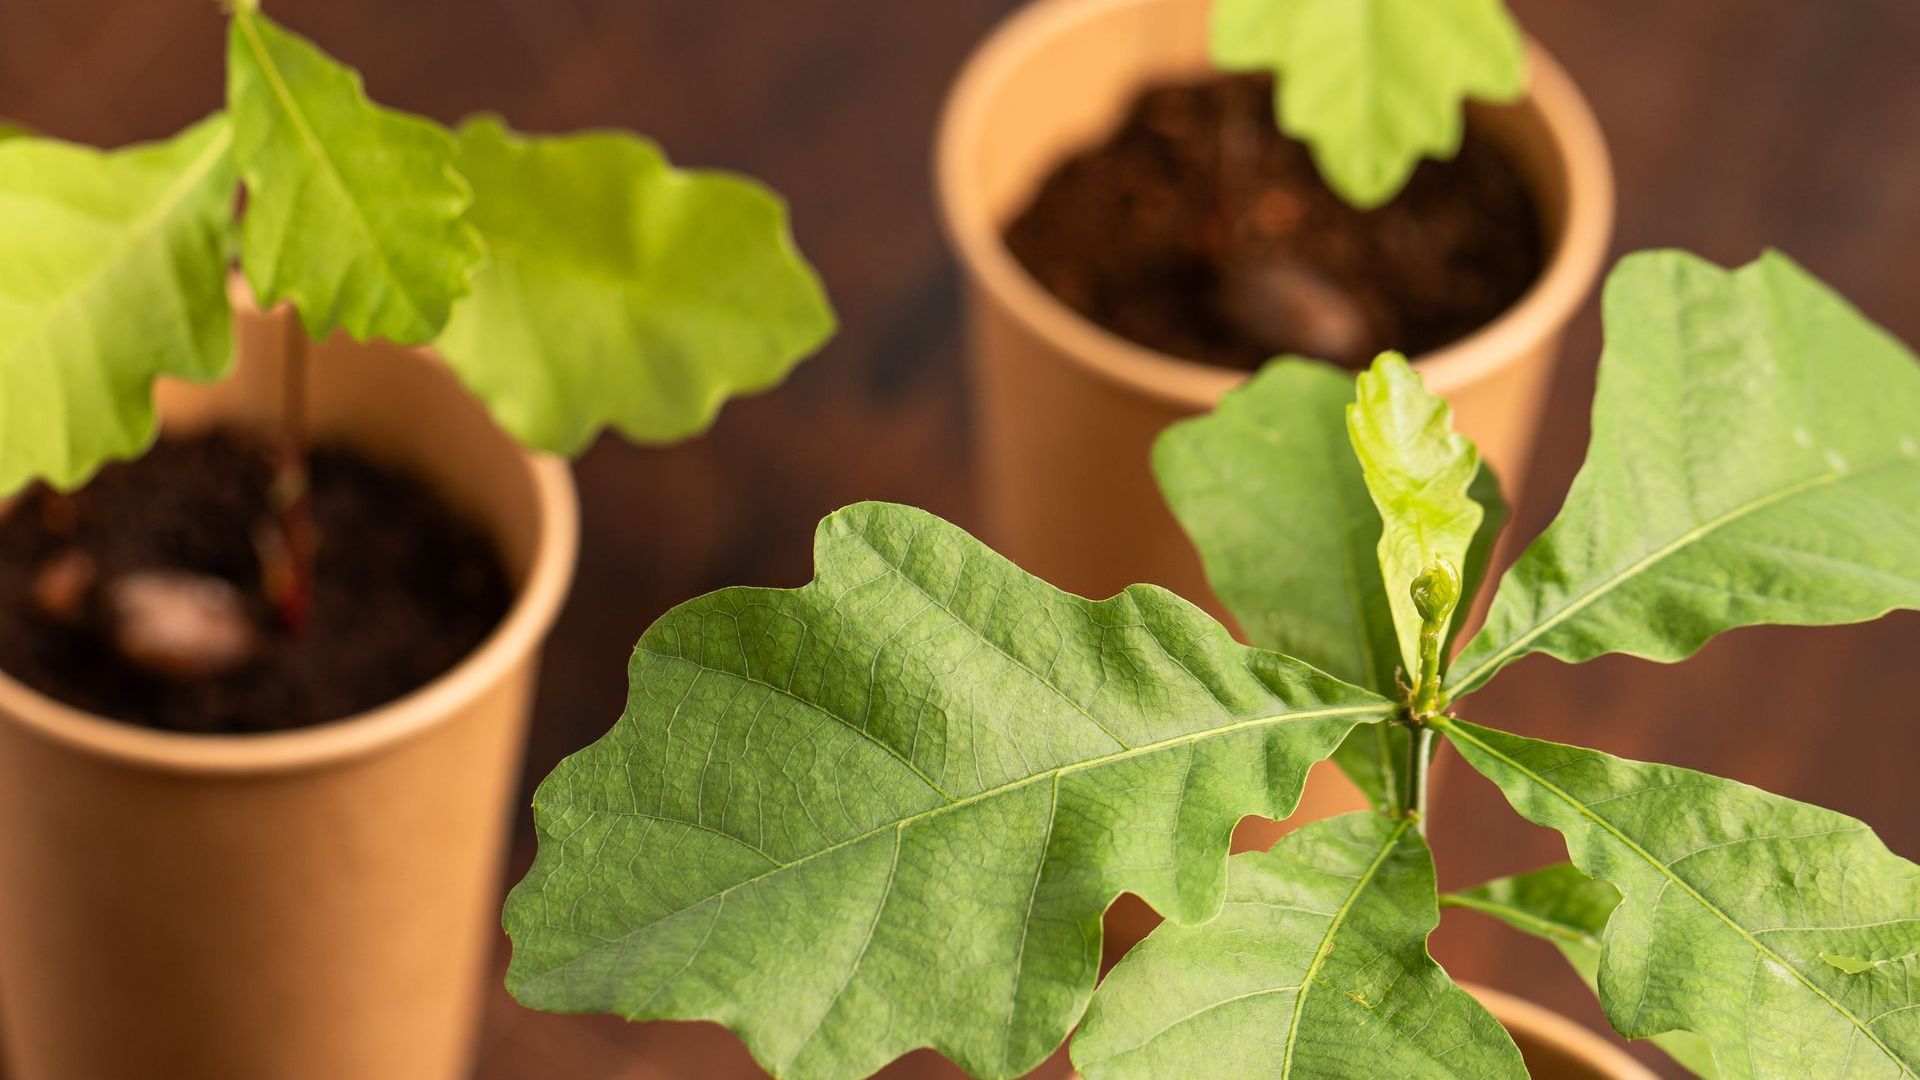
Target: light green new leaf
<point x="1317" y="967"/>
<point x="1269" y="490"/>
<point x="887" y="810"/>
<point x="619" y="290"/>
<point x="1732" y="897"/>
<point x="1372" y="86"/>
<point x="1755" y="459"/>
<point x="1418" y="470"/>
<point x="354" y="212"/>
<point x="1570" y="909"/>
<point x="112" y="276"/>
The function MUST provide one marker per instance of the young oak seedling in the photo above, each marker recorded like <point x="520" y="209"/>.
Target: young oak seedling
<point x="887" y="810"/>
<point x="572" y="282"/>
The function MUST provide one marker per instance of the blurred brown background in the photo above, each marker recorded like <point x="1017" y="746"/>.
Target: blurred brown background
<point x="1735" y="124"/>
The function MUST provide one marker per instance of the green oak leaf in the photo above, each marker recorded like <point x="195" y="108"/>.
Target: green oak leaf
<point x="1372" y="86"/>
<point x="1755" y="459"/>
<point x="1317" y="967"/>
<point x="1269" y="490"/>
<point x="113" y="276"/>
<point x="354" y="212"/>
<point x="619" y="290"/>
<point x="1418" y="471"/>
<point x="1566" y="907"/>
<point x="888" y="809"/>
<point x="1731" y="898"/>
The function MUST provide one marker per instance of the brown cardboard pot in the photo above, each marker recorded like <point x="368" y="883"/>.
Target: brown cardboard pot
<point x="1065" y="412"/>
<point x="318" y="903"/>
<point x="1555" y="1047"/>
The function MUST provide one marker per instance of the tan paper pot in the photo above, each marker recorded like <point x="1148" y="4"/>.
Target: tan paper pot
<point x="318" y="903"/>
<point x="1066" y="413"/>
<point x="1555" y="1047"/>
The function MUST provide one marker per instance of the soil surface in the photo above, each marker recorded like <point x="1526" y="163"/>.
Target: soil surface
<point x="404" y="589"/>
<point x="1201" y="231"/>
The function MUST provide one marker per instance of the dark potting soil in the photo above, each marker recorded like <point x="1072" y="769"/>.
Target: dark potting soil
<point x="1201" y="231"/>
<point x="404" y="588"/>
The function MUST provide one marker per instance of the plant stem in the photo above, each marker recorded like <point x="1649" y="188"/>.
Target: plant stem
<point x="1419" y="758"/>
<point x="1426" y="688"/>
<point x="292" y="502"/>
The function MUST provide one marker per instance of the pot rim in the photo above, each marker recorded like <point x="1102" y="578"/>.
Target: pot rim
<point x="518" y="635"/>
<point x="1543" y="1025"/>
<point x="1579" y="245"/>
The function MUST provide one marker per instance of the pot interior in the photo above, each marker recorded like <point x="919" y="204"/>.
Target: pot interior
<point x="1061" y="77"/>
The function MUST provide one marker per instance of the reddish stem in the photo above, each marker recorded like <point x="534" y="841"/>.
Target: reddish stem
<point x="292" y="502"/>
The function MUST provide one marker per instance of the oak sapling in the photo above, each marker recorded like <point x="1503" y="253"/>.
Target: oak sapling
<point x="572" y="282"/>
<point x="887" y="810"/>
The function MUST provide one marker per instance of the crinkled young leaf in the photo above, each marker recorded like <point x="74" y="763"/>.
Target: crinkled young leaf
<point x="1269" y="490"/>
<point x="1755" y="459"/>
<point x="1732" y="897"/>
<point x="1372" y="86"/>
<point x="354" y="212"/>
<point x="1418" y="471"/>
<point x="1317" y="967"/>
<point x="887" y="810"/>
<point x="619" y="290"/>
<point x="112" y="276"/>
<point x="1566" y="907"/>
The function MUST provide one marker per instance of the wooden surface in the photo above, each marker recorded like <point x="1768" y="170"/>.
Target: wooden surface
<point x="1735" y="124"/>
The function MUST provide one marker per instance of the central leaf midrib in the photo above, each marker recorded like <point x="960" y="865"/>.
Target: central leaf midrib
<point x="1326" y="942"/>
<point x="308" y="136"/>
<point x="1612" y="581"/>
<point x="1753" y="942"/>
<point x="912" y="819"/>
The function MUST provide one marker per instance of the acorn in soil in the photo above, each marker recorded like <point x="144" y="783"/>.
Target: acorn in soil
<point x="1202" y="231"/>
<point x="144" y="596"/>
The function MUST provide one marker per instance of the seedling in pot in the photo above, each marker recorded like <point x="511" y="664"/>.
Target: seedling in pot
<point x="572" y="283"/>
<point x="1283" y="207"/>
<point x="887" y="810"/>
<point x="1373" y="86"/>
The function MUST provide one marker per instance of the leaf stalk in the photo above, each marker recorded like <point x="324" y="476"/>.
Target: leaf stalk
<point x="291" y="583"/>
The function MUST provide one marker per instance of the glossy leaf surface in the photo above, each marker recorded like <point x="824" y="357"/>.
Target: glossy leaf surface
<point x="620" y="291"/>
